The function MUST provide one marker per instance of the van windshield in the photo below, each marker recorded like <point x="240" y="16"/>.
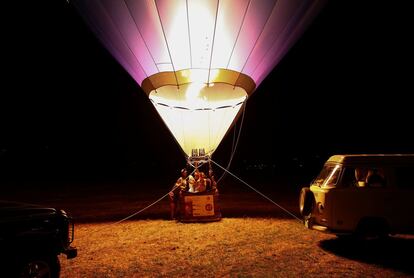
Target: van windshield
<point x="328" y="176"/>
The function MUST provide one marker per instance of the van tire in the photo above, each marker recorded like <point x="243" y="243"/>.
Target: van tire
<point x="306" y="202"/>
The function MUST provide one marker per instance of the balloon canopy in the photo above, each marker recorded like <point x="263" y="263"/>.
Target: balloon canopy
<point x="198" y="60"/>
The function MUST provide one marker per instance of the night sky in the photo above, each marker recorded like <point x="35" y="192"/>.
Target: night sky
<point x="70" y="112"/>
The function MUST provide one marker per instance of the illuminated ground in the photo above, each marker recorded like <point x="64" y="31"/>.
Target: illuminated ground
<point x="254" y="239"/>
<point x="234" y="247"/>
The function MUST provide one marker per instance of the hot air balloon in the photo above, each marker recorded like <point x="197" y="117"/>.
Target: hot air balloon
<point x="198" y="60"/>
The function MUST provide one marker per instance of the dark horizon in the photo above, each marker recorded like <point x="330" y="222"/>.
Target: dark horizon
<point x="72" y="113"/>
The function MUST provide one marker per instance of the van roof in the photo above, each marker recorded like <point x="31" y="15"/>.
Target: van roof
<point x="372" y="159"/>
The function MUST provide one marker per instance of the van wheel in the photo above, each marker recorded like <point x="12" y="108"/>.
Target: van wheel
<point x="372" y="228"/>
<point x="306" y="202"/>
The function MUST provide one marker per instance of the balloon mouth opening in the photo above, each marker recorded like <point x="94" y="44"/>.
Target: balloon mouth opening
<point x="201" y="108"/>
<point x="199" y="96"/>
<point x="198" y="114"/>
<point x="204" y="77"/>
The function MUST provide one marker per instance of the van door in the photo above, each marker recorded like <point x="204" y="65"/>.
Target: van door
<point x="401" y="201"/>
<point x="357" y="197"/>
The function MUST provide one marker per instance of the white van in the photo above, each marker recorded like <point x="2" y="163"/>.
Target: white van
<point x="362" y="194"/>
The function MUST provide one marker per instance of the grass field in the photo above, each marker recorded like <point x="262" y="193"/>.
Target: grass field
<point x="254" y="238"/>
<point x="233" y="247"/>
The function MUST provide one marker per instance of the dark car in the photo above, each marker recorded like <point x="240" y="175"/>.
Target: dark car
<point x="31" y="238"/>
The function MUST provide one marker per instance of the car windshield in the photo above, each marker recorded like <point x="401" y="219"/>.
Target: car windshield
<point x="328" y="176"/>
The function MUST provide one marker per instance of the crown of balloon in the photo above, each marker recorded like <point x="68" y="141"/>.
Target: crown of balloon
<point x="198" y="61"/>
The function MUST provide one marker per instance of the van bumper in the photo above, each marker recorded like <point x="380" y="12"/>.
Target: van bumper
<point x="310" y="224"/>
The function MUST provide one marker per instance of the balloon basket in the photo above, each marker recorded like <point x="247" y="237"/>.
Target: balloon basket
<point x="200" y="207"/>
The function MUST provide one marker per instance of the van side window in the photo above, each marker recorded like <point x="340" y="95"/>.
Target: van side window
<point x="404" y="177"/>
<point x="360" y="176"/>
<point x="375" y="178"/>
<point x="349" y="178"/>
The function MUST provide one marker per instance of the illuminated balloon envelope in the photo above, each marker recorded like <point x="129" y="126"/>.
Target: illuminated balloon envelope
<point x="198" y="60"/>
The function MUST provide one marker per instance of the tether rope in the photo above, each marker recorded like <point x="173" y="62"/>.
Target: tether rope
<point x="234" y="147"/>
<point x="175" y="186"/>
<point x="141" y="210"/>
<point x="257" y="191"/>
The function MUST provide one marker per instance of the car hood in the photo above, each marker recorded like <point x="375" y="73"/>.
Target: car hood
<point x="16" y="210"/>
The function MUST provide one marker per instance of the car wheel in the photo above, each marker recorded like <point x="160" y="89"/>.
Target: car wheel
<point x="40" y="267"/>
